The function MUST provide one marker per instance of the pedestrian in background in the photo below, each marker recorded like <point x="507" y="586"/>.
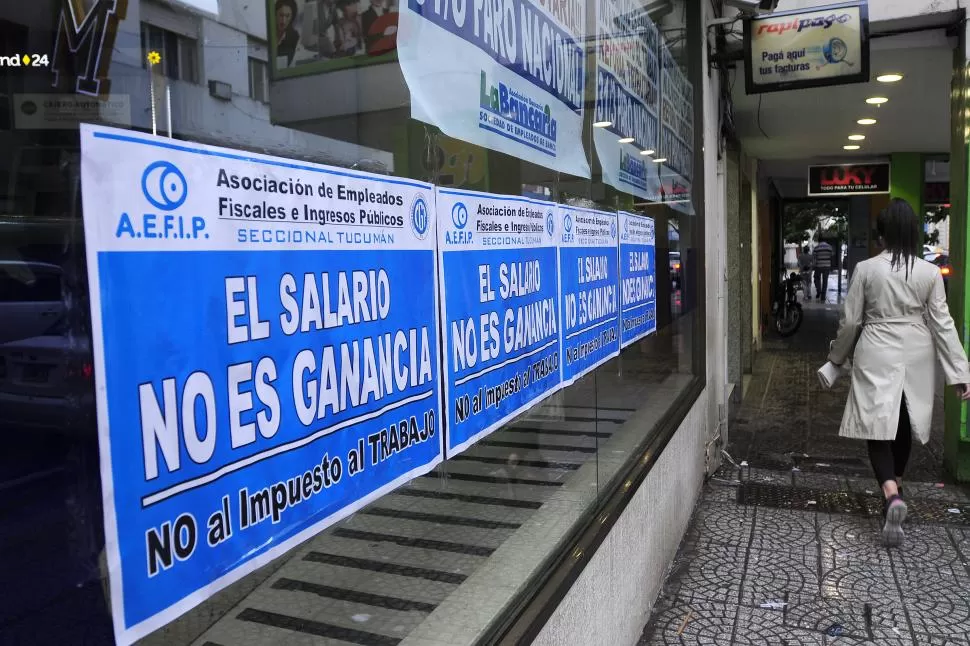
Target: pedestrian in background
<point x="823" y="257"/>
<point x="895" y="323"/>
<point x="805" y="264"/>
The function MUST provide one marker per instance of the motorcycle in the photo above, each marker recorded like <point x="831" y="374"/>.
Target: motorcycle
<point x="786" y="309"/>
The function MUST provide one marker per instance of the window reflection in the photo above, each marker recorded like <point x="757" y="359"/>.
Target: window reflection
<point x="411" y="564"/>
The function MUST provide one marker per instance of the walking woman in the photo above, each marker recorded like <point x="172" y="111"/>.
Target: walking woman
<point x="895" y="325"/>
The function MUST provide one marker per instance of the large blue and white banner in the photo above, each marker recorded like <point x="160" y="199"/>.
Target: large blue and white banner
<point x="266" y="352"/>
<point x="627" y="97"/>
<point x="508" y="76"/>
<point x="638" y="277"/>
<point x="676" y="134"/>
<point x="589" y="279"/>
<point x="500" y="303"/>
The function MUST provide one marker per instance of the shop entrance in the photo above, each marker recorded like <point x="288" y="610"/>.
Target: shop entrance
<point x="814" y="243"/>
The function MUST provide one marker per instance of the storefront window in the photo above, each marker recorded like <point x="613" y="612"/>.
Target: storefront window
<point x="550" y="147"/>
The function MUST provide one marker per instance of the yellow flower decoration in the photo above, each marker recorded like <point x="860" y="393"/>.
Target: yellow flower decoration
<point x="154" y="58"/>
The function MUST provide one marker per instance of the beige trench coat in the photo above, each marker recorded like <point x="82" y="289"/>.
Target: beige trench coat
<point x="894" y="329"/>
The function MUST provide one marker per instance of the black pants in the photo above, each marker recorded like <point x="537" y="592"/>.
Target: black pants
<point x="822" y="283"/>
<point x="889" y="457"/>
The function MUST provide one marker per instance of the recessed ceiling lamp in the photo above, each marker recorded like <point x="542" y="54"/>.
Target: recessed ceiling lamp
<point x="626" y="140"/>
<point x="602" y="124"/>
<point x="866" y="122"/>
<point x="647" y="152"/>
<point x="659" y="160"/>
<point x="856" y="137"/>
<point x="890" y="78"/>
<point x="851" y="147"/>
<point x="877" y="100"/>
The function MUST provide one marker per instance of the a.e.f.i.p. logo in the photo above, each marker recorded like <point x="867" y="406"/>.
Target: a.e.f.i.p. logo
<point x="164" y="187"/>
<point x="550" y="224"/>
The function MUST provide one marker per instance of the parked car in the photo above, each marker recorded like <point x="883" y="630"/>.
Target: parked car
<point x="930" y="253"/>
<point x="943" y="262"/>
<point x="30" y="298"/>
<point x="47" y="382"/>
<point x="674" y="269"/>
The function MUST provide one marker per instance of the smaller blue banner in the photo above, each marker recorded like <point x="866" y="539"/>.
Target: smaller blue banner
<point x="500" y="294"/>
<point x="638" y="277"/>
<point x="589" y="286"/>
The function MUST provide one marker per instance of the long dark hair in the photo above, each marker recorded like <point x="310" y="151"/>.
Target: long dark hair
<point x="898" y="226"/>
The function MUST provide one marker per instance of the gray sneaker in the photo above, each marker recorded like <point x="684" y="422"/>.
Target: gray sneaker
<point x="892" y="530"/>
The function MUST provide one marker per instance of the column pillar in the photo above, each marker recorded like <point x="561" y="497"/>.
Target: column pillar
<point x="956" y="450"/>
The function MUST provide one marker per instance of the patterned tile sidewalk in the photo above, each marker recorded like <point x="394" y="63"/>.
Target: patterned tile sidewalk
<point x="784" y="548"/>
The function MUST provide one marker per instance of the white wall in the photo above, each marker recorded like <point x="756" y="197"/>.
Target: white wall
<point x="225" y="56"/>
<point x="715" y="241"/>
<point x="610" y="602"/>
<point x="755" y="265"/>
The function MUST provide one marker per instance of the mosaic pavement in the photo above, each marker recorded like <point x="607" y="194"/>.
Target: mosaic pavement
<point x="784" y="544"/>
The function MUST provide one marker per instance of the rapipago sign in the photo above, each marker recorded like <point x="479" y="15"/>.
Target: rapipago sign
<point x="807" y="48"/>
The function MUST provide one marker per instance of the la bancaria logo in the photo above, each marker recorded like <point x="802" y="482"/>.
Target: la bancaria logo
<point x="420" y="218"/>
<point x="164" y="186"/>
<point x="459" y="215"/>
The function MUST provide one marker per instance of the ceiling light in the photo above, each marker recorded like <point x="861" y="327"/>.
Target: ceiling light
<point x="602" y="124"/>
<point x="659" y="160"/>
<point x="866" y="122"/>
<point x="647" y="152"/>
<point x="890" y="78"/>
<point x="851" y="147"/>
<point x="626" y="140"/>
<point x="877" y="100"/>
<point x="856" y="137"/>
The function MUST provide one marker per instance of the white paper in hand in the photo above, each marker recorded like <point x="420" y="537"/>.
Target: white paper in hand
<point x="829" y="374"/>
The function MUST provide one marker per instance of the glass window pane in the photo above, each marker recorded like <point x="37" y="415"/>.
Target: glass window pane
<point x="189" y="60"/>
<point x="473" y="531"/>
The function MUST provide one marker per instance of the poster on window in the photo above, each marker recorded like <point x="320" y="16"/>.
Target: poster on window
<point x="266" y="357"/>
<point x="314" y="36"/>
<point x="509" y="77"/>
<point x="589" y="284"/>
<point x="626" y="121"/>
<point x="676" y="134"/>
<point x="500" y="309"/>
<point x="638" y="277"/>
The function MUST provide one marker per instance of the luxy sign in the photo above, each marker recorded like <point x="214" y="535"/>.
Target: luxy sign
<point x="848" y="179"/>
<point x="801" y="49"/>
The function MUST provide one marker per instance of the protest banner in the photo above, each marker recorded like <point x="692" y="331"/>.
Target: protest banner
<point x="510" y="78"/>
<point x="676" y="134"/>
<point x="638" y="277"/>
<point x="500" y="309"/>
<point x="266" y="357"/>
<point x="589" y="283"/>
<point x="627" y="97"/>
